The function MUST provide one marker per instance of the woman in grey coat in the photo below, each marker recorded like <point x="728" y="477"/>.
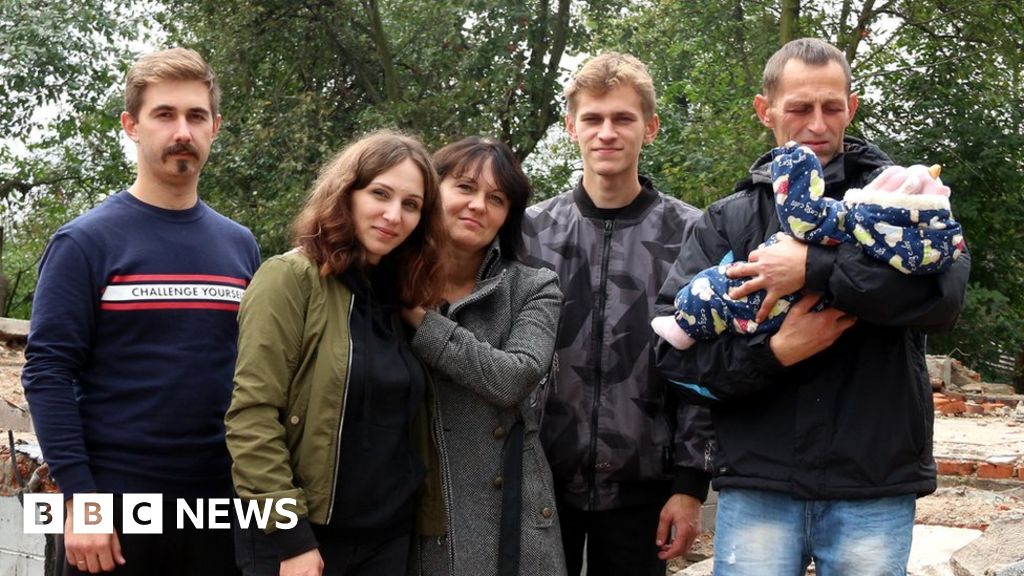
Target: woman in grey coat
<point x="488" y="348"/>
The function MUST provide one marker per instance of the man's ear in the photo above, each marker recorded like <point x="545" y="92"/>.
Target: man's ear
<point x="651" y="128"/>
<point x="130" y="126"/>
<point x="761" y="107"/>
<point x="570" y="126"/>
<point x="852" y="104"/>
<point x="216" y="125"/>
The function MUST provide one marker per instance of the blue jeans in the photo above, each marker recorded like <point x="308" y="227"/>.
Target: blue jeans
<point x="762" y="533"/>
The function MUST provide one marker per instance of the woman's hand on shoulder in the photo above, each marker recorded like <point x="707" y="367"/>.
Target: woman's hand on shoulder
<point x="414" y="316"/>
<point x="306" y="564"/>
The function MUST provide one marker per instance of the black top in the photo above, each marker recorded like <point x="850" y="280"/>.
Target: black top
<point x="379" y="470"/>
<point x="634" y="209"/>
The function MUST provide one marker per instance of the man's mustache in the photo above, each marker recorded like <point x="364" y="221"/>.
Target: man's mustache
<point x="179" y="149"/>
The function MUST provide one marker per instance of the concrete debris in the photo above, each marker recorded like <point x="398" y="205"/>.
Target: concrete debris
<point x="997" y="389"/>
<point x="1015" y="569"/>
<point x="932" y="547"/>
<point x="967" y="507"/>
<point x="12" y="330"/>
<point x="14" y="417"/>
<point x="940" y="371"/>
<point x="998" y="550"/>
<point x="951" y="376"/>
<point x="963" y="377"/>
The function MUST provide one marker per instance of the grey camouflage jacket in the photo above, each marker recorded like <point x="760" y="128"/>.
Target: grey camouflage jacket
<point x="614" y="434"/>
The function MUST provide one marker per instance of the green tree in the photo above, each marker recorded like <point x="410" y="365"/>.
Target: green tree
<point x="950" y="91"/>
<point x="302" y="78"/>
<point x="59" y="68"/>
<point x="940" y="82"/>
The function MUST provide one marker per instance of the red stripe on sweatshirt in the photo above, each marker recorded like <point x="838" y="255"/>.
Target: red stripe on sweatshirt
<point x="177" y="278"/>
<point x="117" y="306"/>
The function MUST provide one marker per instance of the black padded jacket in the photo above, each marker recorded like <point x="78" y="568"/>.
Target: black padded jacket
<point x="855" y="420"/>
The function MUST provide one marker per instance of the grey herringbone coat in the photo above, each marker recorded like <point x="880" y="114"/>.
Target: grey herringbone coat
<point x="486" y="355"/>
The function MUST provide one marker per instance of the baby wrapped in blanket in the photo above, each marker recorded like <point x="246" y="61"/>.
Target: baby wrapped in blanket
<point x="902" y="217"/>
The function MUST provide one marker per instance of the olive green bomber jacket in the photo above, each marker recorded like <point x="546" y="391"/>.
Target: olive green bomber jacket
<point x="285" y="421"/>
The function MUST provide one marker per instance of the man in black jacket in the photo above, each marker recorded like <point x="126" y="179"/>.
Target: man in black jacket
<point x="824" y="428"/>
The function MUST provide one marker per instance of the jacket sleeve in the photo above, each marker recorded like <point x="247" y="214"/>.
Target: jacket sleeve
<point x="722" y="368"/>
<point x="694" y="448"/>
<point x="506" y="376"/>
<point x="694" y="439"/>
<point x="270" y="321"/>
<point x="59" y="343"/>
<point x="875" y="292"/>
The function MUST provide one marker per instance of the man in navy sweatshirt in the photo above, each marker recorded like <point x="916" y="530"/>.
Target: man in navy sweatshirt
<point x="132" y="348"/>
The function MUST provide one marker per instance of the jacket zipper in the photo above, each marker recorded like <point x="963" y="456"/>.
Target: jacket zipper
<point x="597" y="345"/>
<point x="341" y="423"/>
<point x="446" y="481"/>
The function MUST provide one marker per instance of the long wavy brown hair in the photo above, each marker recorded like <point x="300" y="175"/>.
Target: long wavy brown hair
<point x="324" y="229"/>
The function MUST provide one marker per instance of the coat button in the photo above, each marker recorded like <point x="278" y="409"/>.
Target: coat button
<point x="547" y="512"/>
<point x="498" y="482"/>
<point x="294" y="419"/>
<point x="499" y="433"/>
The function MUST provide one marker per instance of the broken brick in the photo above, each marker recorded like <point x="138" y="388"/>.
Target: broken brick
<point x="990" y="470"/>
<point x="954" y="407"/>
<point x="955" y="467"/>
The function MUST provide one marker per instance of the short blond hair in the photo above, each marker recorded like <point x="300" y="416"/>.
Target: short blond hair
<point x="810" y="51"/>
<point x="171" y="64"/>
<point x="606" y="71"/>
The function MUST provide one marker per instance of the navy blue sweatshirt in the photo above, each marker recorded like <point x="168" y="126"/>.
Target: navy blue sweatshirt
<point x="132" y="348"/>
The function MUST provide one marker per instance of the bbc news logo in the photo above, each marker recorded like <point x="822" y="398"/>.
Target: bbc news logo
<point x="144" y="513"/>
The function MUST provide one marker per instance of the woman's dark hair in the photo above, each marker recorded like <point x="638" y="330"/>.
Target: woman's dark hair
<point x="469" y="156"/>
<point x="326" y="234"/>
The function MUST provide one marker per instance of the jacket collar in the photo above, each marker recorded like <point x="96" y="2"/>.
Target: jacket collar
<point x="633" y="210"/>
<point x="858" y="157"/>
<point x="488" y="278"/>
<point x="489" y="266"/>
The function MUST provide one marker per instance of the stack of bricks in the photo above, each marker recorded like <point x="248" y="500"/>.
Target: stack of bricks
<point x="992" y="470"/>
<point x="953" y="403"/>
<point x="1001" y="468"/>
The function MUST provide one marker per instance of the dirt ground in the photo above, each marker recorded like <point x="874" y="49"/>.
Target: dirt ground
<point x="970" y="507"/>
<point x="11" y="359"/>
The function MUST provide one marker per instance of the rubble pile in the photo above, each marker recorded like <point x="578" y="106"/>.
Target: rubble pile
<point x="30" y="475"/>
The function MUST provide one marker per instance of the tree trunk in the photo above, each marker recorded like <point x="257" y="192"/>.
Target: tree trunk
<point x="383" y="47"/>
<point x="3" y="277"/>
<point x="859" y="31"/>
<point x="789" y="21"/>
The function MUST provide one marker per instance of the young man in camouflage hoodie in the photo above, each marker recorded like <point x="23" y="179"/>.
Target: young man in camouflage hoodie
<point x="628" y="463"/>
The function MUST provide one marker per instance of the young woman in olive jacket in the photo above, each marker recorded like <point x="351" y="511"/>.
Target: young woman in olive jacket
<point x="487" y="348"/>
<point x="327" y="392"/>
